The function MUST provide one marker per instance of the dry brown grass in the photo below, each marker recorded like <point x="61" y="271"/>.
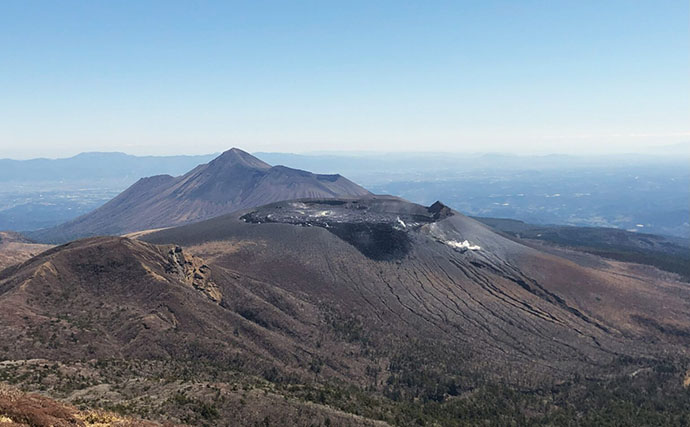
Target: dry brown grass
<point x="217" y="248"/>
<point x="137" y="234"/>
<point x="25" y="409"/>
<point x="14" y="250"/>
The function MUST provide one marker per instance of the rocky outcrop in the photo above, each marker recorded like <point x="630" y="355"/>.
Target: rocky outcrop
<point x="194" y="272"/>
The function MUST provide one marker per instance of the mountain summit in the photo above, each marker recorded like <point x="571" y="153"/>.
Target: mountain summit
<point x="237" y="157"/>
<point x="234" y="180"/>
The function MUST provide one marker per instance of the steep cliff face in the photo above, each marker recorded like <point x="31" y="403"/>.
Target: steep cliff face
<point x="194" y="272"/>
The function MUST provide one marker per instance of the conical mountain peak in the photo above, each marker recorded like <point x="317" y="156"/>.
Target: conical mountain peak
<point x="233" y="181"/>
<point x="237" y="157"/>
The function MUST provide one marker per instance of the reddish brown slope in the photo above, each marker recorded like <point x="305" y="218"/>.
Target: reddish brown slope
<point x="112" y="297"/>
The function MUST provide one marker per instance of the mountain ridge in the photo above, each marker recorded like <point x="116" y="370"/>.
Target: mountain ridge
<point x="232" y="181"/>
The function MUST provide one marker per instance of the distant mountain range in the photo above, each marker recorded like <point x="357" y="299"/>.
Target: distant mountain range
<point x="647" y="193"/>
<point x="381" y="167"/>
<point x="232" y="181"/>
<point x="95" y="166"/>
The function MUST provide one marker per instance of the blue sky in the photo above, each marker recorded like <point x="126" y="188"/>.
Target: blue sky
<point x="168" y="77"/>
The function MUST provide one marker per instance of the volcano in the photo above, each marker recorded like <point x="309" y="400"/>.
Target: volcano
<point x="235" y="180"/>
<point x="411" y="273"/>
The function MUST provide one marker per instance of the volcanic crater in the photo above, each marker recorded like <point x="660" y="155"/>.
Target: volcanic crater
<point x="366" y="224"/>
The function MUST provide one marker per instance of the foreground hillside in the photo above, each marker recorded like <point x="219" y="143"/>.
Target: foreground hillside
<point x="346" y="312"/>
<point x="234" y="180"/>
<point x="97" y="314"/>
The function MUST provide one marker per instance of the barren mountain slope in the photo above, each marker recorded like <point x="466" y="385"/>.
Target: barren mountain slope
<point x="124" y="305"/>
<point x="234" y="180"/>
<point x="403" y="270"/>
<point x="115" y="297"/>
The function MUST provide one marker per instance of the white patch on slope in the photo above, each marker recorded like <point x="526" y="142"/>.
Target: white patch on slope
<point x="462" y="245"/>
<point x="445" y="238"/>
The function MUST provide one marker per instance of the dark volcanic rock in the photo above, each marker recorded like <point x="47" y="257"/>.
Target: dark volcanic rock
<point x="378" y="241"/>
<point x="377" y="233"/>
<point x="440" y="211"/>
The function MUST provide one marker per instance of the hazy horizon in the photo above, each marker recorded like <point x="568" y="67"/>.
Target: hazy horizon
<point x="663" y="151"/>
